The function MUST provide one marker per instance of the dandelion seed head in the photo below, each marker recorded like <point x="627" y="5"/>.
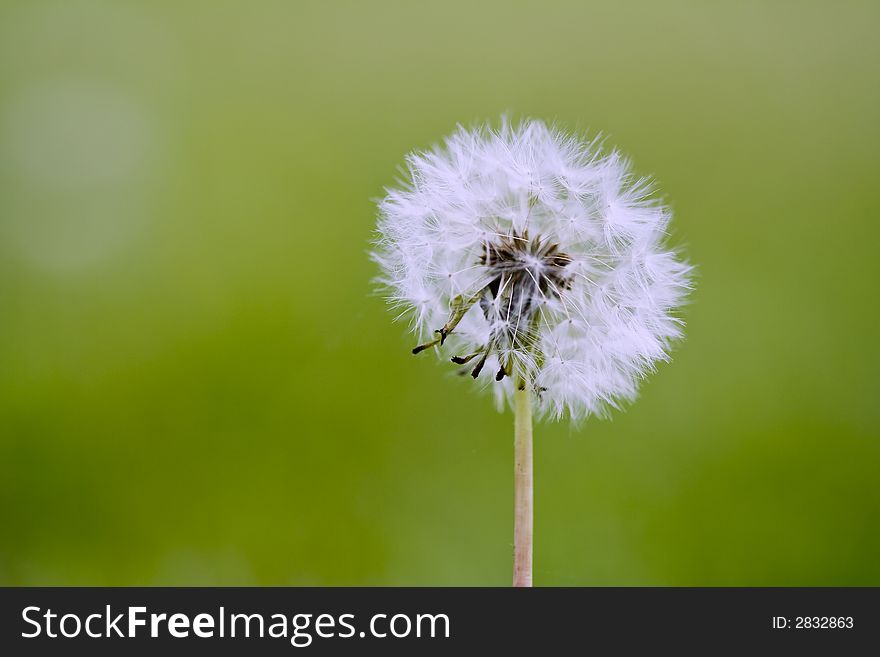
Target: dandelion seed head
<point x="534" y="258"/>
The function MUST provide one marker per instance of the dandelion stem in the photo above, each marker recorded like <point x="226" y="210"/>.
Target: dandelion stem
<point x="523" y="488"/>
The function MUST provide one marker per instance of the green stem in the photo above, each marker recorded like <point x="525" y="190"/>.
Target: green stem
<point x="523" y="488"/>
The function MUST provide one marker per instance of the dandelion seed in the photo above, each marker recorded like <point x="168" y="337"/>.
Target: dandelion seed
<point x="538" y="257"/>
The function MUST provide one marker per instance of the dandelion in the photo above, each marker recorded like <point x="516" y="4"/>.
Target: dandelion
<point x="536" y="261"/>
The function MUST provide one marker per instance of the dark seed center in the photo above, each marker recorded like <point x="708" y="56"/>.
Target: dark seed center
<point x="526" y="271"/>
<point x="523" y="272"/>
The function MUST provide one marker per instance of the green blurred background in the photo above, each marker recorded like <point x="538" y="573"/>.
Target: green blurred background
<point x="198" y="386"/>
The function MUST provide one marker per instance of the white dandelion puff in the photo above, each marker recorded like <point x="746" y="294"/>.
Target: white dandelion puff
<point x="538" y="263"/>
<point x="534" y="259"/>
